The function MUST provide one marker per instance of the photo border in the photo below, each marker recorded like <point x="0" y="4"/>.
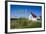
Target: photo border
<point x="6" y="4"/>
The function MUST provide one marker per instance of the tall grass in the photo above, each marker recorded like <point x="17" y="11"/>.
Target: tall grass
<point x="20" y="23"/>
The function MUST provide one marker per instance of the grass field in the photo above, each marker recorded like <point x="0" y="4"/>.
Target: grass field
<point x="20" y="23"/>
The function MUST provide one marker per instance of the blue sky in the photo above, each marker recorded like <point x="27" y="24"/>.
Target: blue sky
<point x="24" y="11"/>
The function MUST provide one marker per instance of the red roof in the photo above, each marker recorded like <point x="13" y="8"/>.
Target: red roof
<point x="33" y="15"/>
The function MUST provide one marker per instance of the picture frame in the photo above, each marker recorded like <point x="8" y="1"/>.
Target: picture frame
<point x="23" y="4"/>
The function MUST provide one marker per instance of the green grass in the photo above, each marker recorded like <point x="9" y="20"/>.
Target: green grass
<point x="20" y="23"/>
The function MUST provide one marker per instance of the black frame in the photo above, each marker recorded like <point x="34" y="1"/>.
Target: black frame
<point x="22" y="2"/>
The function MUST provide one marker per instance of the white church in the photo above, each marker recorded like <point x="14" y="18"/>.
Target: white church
<point x="33" y="17"/>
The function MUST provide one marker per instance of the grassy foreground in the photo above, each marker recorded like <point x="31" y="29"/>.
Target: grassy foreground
<point x="20" y="23"/>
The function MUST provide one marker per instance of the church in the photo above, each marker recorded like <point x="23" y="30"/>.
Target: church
<point x="33" y="17"/>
